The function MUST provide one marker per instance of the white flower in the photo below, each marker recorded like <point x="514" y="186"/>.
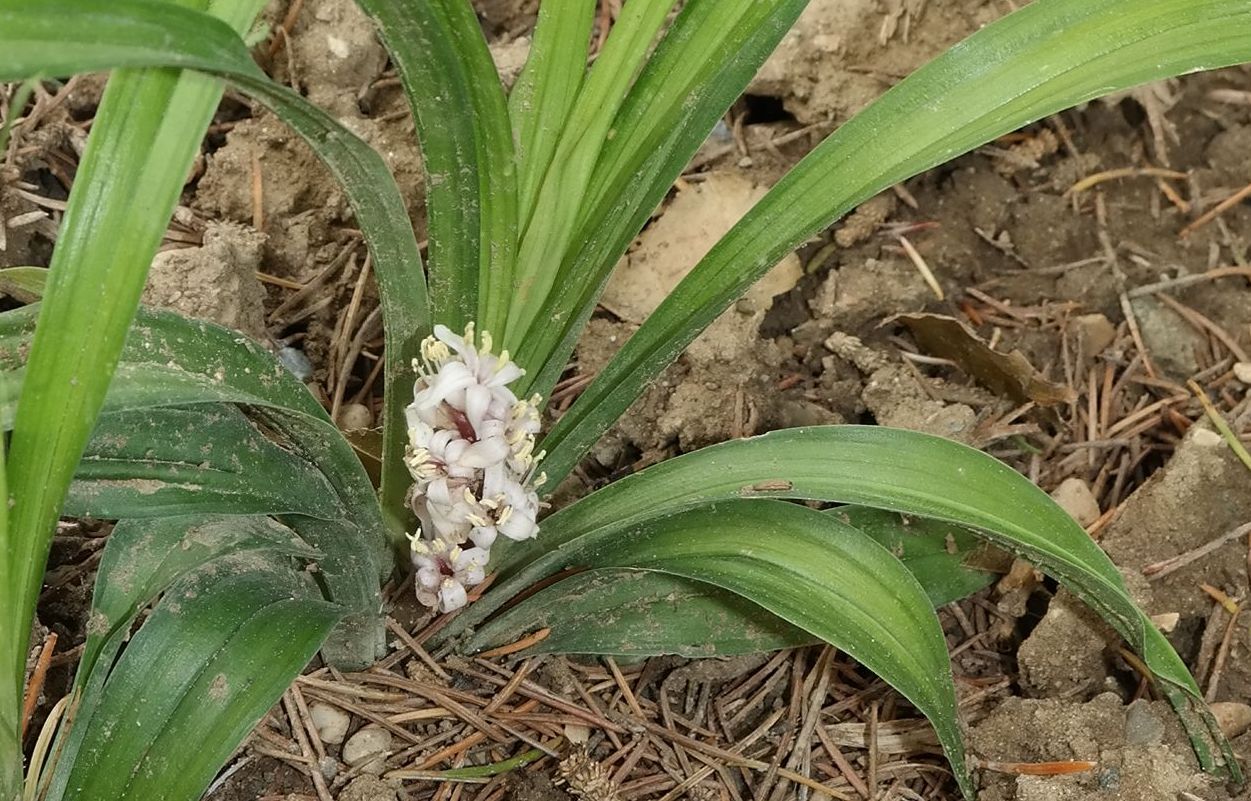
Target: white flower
<point x="471" y="455"/>
<point x="444" y="571"/>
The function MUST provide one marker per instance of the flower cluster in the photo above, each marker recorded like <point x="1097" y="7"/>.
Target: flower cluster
<point x="471" y="455"/>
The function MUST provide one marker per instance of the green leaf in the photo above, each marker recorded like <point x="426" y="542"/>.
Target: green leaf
<point x="458" y="104"/>
<point x="1048" y="56"/>
<point x="213" y="657"/>
<point x="144" y="138"/>
<point x="639" y="613"/>
<point x="67" y="36"/>
<point x="12" y="676"/>
<point x="545" y="91"/>
<point x="23" y="284"/>
<point x="698" y="70"/>
<point x="284" y="456"/>
<point x="944" y="558"/>
<point x="812" y="571"/>
<point x="141" y="560"/>
<point x="902" y="471"/>
<point x="548" y="233"/>
<point x="144" y="557"/>
<point x="193" y="459"/>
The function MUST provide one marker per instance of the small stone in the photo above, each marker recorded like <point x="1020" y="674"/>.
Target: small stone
<point x="1206" y="438"/>
<point x="1142" y="727"/>
<point x="802" y="413"/>
<point x="1166" y="622"/>
<point x="330" y="721"/>
<point x="1233" y="718"/>
<point x="1094" y="334"/>
<point x="368" y="788"/>
<point x="368" y="749"/>
<point x="1063" y="656"/>
<point x="355" y="417"/>
<point x="1075" y="497"/>
<point x="577" y="733"/>
<point x="296" y="362"/>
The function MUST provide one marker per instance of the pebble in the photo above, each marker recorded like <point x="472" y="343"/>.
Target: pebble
<point x="1205" y="437"/>
<point x="330" y="721"/>
<point x="296" y="362"/>
<point x="1166" y="621"/>
<point x="368" y="788"/>
<point x="1233" y="718"/>
<point x="355" y="417"/>
<point x="367" y="749"/>
<point x="1142" y="726"/>
<point x="1094" y="334"/>
<point x="1075" y="497"/>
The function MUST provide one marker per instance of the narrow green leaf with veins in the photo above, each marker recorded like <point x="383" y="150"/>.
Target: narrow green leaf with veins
<point x="814" y="572"/>
<point x="144" y="138"/>
<point x="462" y="122"/>
<point x="631" y="179"/>
<point x="306" y="469"/>
<point x="640" y="613"/>
<point x="545" y="91"/>
<point x="902" y="471"/>
<point x="548" y="233"/>
<point x="68" y="36"/>
<point x="214" y="655"/>
<point x="1047" y="56"/>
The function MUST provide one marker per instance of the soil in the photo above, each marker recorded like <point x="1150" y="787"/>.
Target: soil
<point x="1098" y="289"/>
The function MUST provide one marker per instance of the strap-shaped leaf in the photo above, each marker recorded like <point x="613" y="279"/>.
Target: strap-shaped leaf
<point x="141" y="560"/>
<point x="624" y="611"/>
<point x="1047" y="56"/>
<point x="60" y="37"/>
<point x="283" y="457"/>
<point x="947" y="560"/>
<point x="144" y="557"/>
<point x="903" y="471"/>
<point x="698" y="70"/>
<point x="639" y="613"/>
<point x="215" y="654"/>
<point x="543" y="96"/>
<point x="12" y="671"/>
<point x="184" y="459"/>
<point x="811" y="570"/>
<point x="549" y="232"/>
<point x="466" y="143"/>
<point x="144" y="138"/>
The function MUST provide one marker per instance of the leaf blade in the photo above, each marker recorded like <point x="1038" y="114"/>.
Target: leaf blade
<point x="814" y="572"/>
<point x="89" y="36"/>
<point x="902" y="471"/>
<point x="1040" y="59"/>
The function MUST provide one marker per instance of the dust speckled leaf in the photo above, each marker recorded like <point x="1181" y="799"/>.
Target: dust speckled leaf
<point x="1045" y="57"/>
<point x="948" y="560"/>
<point x="193" y="459"/>
<point x="214" y="655"/>
<point x="902" y="471"/>
<point x="811" y="570"/>
<point x="637" y="613"/>
<point x="62" y="37"/>
<point x="143" y="557"/>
